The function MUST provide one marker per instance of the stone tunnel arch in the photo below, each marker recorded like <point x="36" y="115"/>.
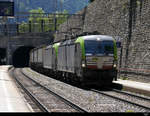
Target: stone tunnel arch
<point x="2" y="56"/>
<point x="20" y="57"/>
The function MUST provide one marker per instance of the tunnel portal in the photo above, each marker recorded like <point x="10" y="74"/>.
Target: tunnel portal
<point x="21" y="56"/>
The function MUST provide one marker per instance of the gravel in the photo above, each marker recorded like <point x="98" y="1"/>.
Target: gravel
<point x="51" y="102"/>
<point x="129" y="98"/>
<point x="91" y="101"/>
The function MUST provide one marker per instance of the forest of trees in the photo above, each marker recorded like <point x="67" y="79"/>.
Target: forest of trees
<point x="38" y="22"/>
<point x="46" y="23"/>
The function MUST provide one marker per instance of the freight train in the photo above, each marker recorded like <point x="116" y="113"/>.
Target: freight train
<point x="89" y="59"/>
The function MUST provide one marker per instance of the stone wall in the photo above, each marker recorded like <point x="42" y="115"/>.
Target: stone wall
<point x="138" y="65"/>
<point x="111" y="17"/>
<point x="107" y="17"/>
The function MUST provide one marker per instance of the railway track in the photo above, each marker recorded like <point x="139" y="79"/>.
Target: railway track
<point x="131" y="94"/>
<point x="38" y="102"/>
<point x="34" y="99"/>
<point x="127" y="97"/>
<point x="27" y="92"/>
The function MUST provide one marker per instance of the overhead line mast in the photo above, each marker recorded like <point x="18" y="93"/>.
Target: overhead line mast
<point x="55" y="4"/>
<point x="61" y="6"/>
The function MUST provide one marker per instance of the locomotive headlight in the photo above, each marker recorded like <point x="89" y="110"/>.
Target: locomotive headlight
<point x="83" y="64"/>
<point x="98" y="39"/>
<point x="115" y="64"/>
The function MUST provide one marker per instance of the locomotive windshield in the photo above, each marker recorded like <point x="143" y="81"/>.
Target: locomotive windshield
<point x="99" y="47"/>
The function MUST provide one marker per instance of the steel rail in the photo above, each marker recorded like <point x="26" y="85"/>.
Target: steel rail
<point x="130" y="94"/>
<point x="36" y="101"/>
<point x="120" y="99"/>
<point x="76" y="107"/>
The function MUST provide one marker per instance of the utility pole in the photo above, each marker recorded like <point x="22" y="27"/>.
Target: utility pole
<point x="61" y="6"/>
<point x="55" y="18"/>
<point x="55" y="5"/>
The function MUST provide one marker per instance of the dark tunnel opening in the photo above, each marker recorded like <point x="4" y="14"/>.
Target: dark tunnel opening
<point x="21" y="57"/>
<point x="2" y="56"/>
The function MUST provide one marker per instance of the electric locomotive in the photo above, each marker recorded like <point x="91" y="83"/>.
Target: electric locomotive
<point x="90" y="59"/>
<point x="99" y="59"/>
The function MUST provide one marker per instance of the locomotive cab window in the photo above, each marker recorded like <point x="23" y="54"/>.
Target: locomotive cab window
<point x="108" y="47"/>
<point x="99" y="47"/>
<point x="92" y="47"/>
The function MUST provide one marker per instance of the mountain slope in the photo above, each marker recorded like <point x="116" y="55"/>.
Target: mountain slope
<point x="49" y="6"/>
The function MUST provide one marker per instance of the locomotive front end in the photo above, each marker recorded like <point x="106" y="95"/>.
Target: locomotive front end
<point x="100" y="62"/>
<point x="100" y="54"/>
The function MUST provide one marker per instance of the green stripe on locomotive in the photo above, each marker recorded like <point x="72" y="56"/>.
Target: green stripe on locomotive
<point x="115" y="51"/>
<point x="81" y="41"/>
<point x="55" y="46"/>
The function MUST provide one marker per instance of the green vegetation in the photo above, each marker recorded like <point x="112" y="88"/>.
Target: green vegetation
<point x="39" y="22"/>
